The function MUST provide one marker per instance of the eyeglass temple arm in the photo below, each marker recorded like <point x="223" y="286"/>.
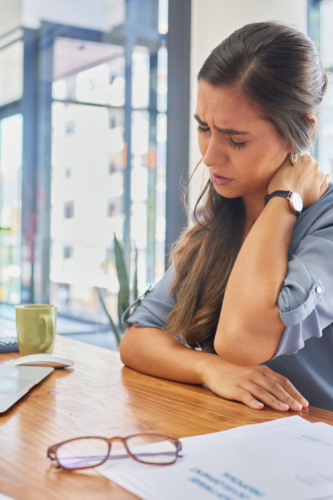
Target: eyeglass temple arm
<point x="51" y="453"/>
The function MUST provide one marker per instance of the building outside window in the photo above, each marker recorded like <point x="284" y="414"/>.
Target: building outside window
<point x="69" y="209"/>
<point x="83" y="97"/>
<point x="14" y="270"/>
<point x="320" y="30"/>
<point x="68" y="252"/>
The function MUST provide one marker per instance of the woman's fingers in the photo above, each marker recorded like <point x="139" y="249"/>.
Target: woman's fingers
<point x="287" y="386"/>
<point x="279" y="392"/>
<point x="254" y="386"/>
<point x="266" y="397"/>
<point x="324" y="186"/>
<point x="304" y="177"/>
<point x="245" y="397"/>
<point x="264" y="385"/>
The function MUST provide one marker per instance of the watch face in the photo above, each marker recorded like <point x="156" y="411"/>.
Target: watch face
<point x="297" y="202"/>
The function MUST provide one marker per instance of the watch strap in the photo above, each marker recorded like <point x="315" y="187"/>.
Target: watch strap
<point x="282" y="194"/>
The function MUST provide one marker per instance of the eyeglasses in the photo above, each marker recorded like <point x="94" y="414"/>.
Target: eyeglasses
<point x="87" y="452"/>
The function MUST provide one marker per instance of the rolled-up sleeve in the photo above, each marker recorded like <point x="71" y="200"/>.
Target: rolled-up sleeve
<point x="153" y="310"/>
<point x="306" y="298"/>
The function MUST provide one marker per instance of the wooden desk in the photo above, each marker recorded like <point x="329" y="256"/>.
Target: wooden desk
<point x="101" y="396"/>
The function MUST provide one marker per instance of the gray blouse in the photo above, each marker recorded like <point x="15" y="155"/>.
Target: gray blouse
<point x="305" y="352"/>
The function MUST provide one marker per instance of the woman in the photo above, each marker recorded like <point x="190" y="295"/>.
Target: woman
<point x="250" y="287"/>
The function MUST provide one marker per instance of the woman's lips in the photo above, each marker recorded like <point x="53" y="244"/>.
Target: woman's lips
<point x="218" y="180"/>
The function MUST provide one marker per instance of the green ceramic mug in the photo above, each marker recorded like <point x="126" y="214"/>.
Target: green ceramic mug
<point x="36" y="328"/>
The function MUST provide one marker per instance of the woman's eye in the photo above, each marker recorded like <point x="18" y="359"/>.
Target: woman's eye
<point x="236" y="145"/>
<point x="201" y="129"/>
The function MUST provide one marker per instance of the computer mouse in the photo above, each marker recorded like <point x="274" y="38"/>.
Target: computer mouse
<point x="42" y="359"/>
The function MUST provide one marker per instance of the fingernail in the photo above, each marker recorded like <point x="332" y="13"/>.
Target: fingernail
<point x="259" y="405"/>
<point x="296" y="406"/>
<point x="283" y="406"/>
<point x="304" y="402"/>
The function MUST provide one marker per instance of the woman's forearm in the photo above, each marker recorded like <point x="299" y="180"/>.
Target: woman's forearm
<point x="154" y="352"/>
<point x="250" y="328"/>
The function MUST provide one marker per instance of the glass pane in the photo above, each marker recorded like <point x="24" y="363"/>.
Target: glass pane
<point x="87" y="199"/>
<point x="163" y="16"/>
<point x="88" y="54"/>
<point x="80" y="75"/>
<point x="326" y="119"/>
<point x="10" y="208"/>
<point x="162" y="82"/>
<point x="139" y="191"/>
<point x="148" y="179"/>
<point x="326" y="131"/>
<point x="102" y="15"/>
<point x="326" y="33"/>
<point x="92" y="54"/>
<point x="11" y="72"/>
<point x="140" y="78"/>
<point x="160" y="195"/>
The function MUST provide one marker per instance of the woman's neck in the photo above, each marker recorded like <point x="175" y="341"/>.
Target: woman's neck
<point x="254" y="204"/>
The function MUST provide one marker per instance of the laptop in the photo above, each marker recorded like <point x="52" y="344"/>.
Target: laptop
<point x="8" y="336"/>
<point x="16" y="381"/>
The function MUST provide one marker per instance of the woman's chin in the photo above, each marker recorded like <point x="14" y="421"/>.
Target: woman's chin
<point x="226" y="191"/>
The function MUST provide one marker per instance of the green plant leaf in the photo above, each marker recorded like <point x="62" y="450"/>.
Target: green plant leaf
<point x="124" y="288"/>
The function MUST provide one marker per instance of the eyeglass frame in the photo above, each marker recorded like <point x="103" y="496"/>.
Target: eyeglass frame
<point x="54" y="448"/>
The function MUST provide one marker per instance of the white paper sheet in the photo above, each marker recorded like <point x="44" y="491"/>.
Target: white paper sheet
<point x="272" y="460"/>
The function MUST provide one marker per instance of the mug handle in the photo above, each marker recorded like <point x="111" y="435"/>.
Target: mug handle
<point x="49" y="332"/>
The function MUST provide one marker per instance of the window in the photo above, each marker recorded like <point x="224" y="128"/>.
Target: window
<point x="10" y="209"/>
<point x="119" y="187"/>
<point x="320" y="30"/>
<point x="111" y="209"/>
<point x="109" y="255"/>
<point x="68" y="252"/>
<point x="69" y="209"/>
<point x="90" y="131"/>
<point x="11" y="68"/>
<point x="70" y="128"/>
<point x="115" y="204"/>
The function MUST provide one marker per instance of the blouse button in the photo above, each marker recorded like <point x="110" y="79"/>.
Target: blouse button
<point x="318" y="290"/>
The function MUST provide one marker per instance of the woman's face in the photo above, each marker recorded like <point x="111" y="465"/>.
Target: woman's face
<point x="241" y="150"/>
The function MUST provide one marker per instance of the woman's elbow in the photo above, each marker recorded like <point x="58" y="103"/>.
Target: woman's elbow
<point x="231" y="354"/>
<point x="240" y="352"/>
<point x="125" y="347"/>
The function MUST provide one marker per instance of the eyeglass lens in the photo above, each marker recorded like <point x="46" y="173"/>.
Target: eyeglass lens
<point x="82" y="453"/>
<point x="90" y="452"/>
<point x="152" y="449"/>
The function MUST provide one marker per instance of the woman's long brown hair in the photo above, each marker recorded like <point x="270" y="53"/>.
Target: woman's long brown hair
<point x="279" y="69"/>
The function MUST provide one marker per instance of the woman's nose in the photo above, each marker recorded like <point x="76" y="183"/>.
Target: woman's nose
<point x="215" y="153"/>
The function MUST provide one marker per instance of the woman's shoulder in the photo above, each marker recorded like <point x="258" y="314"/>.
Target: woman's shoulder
<point x="320" y="212"/>
<point x="315" y="220"/>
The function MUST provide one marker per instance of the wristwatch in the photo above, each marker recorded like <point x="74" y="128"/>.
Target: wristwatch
<point x="294" y="199"/>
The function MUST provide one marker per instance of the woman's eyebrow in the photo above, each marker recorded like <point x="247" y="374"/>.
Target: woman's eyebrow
<point x="200" y="121"/>
<point x="228" y="131"/>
